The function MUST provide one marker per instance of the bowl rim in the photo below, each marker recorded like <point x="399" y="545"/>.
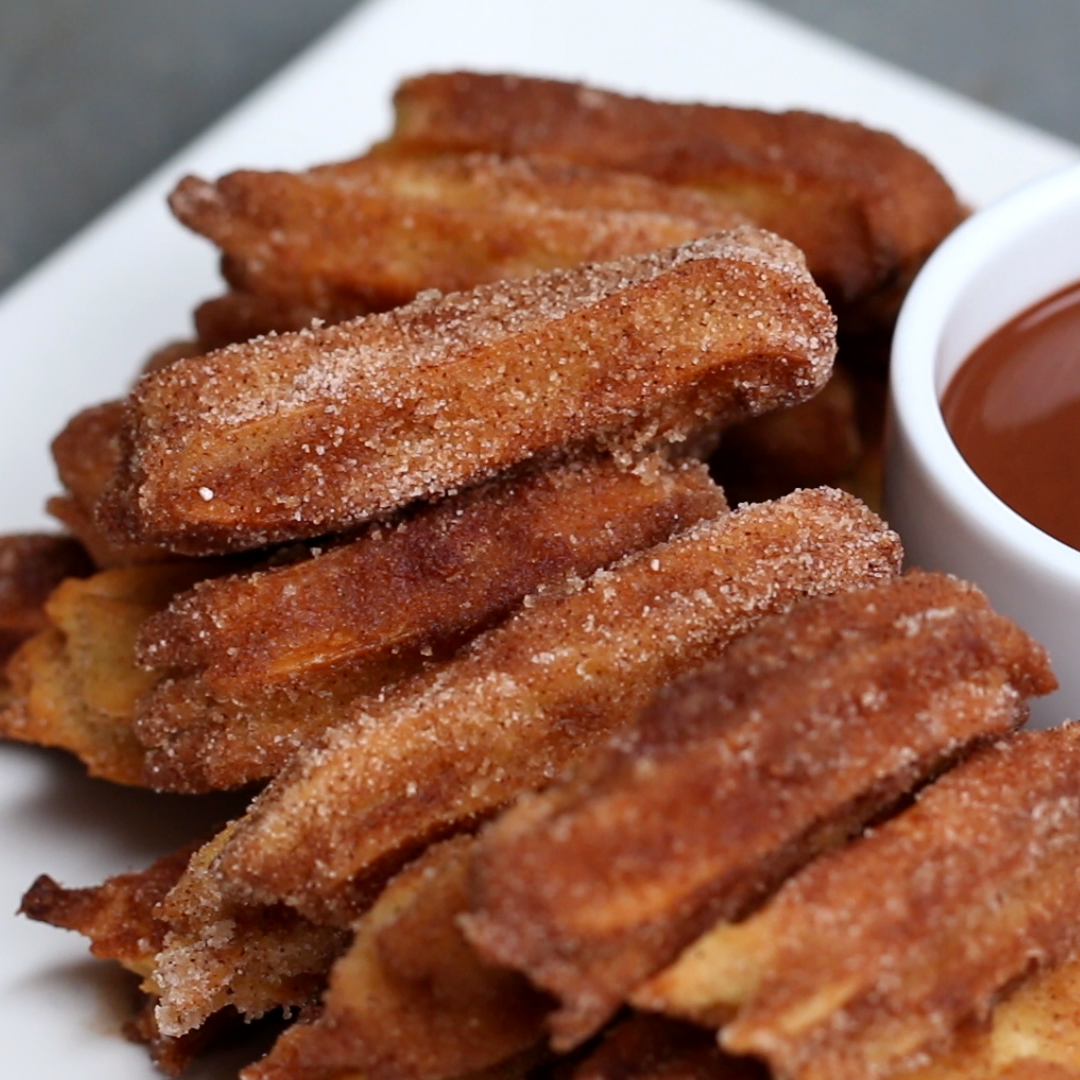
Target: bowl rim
<point x="923" y="318"/>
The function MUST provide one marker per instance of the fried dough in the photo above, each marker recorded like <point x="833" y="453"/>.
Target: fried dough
<point x="173" y="1056"/>
<point x="371" y="234"/>
<point x="426" y="579"/>
<point x="534" y="695"/>
<point x="410" y="1000"/>
<point x="308" y="433"/>
<point x="866" y="209"/>
<point x="807" y="728"/>
<point x="216" y="954"/>
<point x="1033" y="1034"/>
<point x="874" y="956"/>
<point x="32" y="565"/>
<point x="75" y="684"/>
<point x="119" y="919"/>
<point x="117" y="916"/>
<point x="262" y="663"/>
<point x="87" y="453"/>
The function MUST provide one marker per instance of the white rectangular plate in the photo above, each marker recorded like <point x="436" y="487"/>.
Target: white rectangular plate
<point x="75" y="330"/>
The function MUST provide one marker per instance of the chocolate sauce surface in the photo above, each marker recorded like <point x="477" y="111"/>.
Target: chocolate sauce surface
<point x="1013" y="410"/>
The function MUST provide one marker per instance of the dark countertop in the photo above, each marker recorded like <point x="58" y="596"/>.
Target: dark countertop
<point x="95" y="95"/>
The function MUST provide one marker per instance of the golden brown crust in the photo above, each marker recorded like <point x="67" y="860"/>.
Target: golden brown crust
<point x="370" y="234"/>
<point x="1032" y="1034"/>
<point x="87" y="453"/>
<point x="806" y="728"/>
<point x="273" y="658"/>
<point x="117" y="916"/>
<point x="981" y="880"/>
<point x="557" y="679"/>
<point x="409" y="1000"/>
<point x="866" y="209"/>
<point x="308" y="433"/>
<point x="31" y="566"/>
<point x="426" y="579"/>
<point x="75" y="684"/>
<point x="218" y="954"/>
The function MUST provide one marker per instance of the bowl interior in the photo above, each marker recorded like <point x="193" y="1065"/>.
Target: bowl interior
<point x="1025" y="267"/>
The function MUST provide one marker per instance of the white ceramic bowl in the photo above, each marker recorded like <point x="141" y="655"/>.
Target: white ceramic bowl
<point x="1001" y="261"/>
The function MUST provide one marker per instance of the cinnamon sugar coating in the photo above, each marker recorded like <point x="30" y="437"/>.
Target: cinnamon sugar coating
<point x="866" y="209"/>
<point x="372" y="233"/>
<point x="260" y="664"/>
<point x="217" y="954"/>
<point x="878" y="953"/>
<point x="307" y="433"/>
<point x="805" y="729"/>
<point x="1033" y="1033"/>
<point x="531" y="697"/>
<point x="423" y="581"/>
<point x="410" y="1000"/>
<point x="119" y="917"/>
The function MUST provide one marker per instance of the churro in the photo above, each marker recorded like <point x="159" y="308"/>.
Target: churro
<point x="875" y="956"/>
<point x="410" y="1000"/>
<point x="260" y="664"/>
<point x="532" y="696"/>
<point x="865" y="209"/>
<point x="32" y="565"/>
<point x="75" y="684"/>
<point x="308" y="433"/>
<point x="370" y="234"/>
<point x="808" y="727"/>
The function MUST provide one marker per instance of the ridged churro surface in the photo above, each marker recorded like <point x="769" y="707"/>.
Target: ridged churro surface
<point x="866" y="209"/>
<point x="375" y="232"/>
<point x="879" y="952"/>
<point x="534" y="695"/>
<point x="805" y="729"/>
<point x="307" y="433"/>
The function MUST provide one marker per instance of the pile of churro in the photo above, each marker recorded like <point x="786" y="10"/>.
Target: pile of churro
<point x="507" y="531"/>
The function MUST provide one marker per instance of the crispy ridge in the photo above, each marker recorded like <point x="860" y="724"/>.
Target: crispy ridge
<point x="117" y="916"/>
<point x="534" y="695"/>
<point x="866" y="209"/>
<point x="307" y="433"/>
<point x="31" y="566"/>
<point x="805" y="729"/>
<point x="374" y="232"/>
<point x="216" y="954"/>
<point x="262" y="663"/>
<point x="75" y="684"/>
<point x="458" y="564"/>
<point x="981" y="879"/>
<point x="409" y="1000"/>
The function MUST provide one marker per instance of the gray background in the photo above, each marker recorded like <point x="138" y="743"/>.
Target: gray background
<point x="95" y="93"/>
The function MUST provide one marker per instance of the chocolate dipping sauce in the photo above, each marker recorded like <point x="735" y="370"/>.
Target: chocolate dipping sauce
<point x="1013" y="410"/>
